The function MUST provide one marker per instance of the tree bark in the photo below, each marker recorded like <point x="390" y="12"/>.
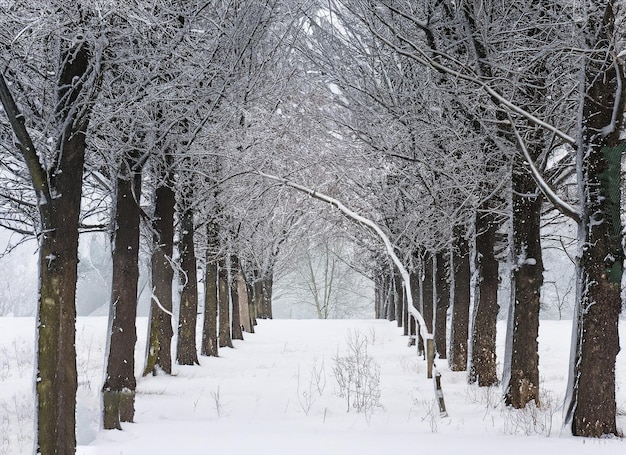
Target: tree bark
<point x="159" y="355"/>
<point x="244" y="303"/>
<point x="482" y="361"/>
<point x="428" y="291"/>
<point x="590" y="401"/>
<point x="251" y="306"/>
<point x="442" y="302"/>
<point x="268" y="287"/>
<point x="234" y="272"/>
<point x="58" y="192"/>
<point x="416" y="290"/>
<point x="257" y="297"/>
<point x="186" y="351"/>
<point x="461" y="285"/>
<point x="209" y="325"/>
<point x="398" y="297"/>
<point x="224" y="336"/>
<point x="118" y="391"/>
<point x="391" y="299"/>
<point x="521" y="362"/>
<point x="405" y="314"/>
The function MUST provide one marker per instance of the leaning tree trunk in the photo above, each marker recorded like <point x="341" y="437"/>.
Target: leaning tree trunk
<point x="442" y="302"/>
<point x="58" y="191"/>
<point x="461" y="286"/>
<point x="482" y="361"/>
<point x="521" y="358"/>
<point x="186" y="351"/>
<point x="118" y="391"/>
<point x="590" y="402"/>
<point x="159" y="355"/>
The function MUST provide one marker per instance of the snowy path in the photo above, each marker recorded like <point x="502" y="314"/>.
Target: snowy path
<point x="276" y="393"/>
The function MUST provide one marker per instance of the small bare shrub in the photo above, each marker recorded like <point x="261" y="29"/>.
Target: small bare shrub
<point x="358" y="375"/>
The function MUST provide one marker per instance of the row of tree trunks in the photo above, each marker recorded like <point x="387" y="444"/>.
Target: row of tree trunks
<point x="445" y="280"/>
<point x="431" y="294"/>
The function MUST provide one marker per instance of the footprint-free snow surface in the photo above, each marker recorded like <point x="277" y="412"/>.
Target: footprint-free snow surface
<point x="301" y="387"/>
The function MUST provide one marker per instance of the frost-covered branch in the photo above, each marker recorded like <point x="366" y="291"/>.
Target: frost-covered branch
<point x="545" y="188"/>
<point x="374" y="227"/>
<point x="23" y="141"/>
<point x="419" y="56"/>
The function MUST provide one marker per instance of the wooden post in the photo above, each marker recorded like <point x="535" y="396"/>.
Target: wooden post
<point x="439" y="395"/>
<point x="430" y="356"/>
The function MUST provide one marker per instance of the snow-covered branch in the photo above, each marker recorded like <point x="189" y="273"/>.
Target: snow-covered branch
<point x="374" y="227"/>
<point x="23" y="141"/>
<point x="418" y="55"/>
<point x="545" y="188"/>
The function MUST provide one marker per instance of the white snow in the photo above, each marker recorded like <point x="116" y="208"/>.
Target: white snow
<point x="275" y="393"/>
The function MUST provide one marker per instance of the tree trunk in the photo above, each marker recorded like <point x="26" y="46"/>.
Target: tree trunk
<point x="482" y="361"/>
<point x="159" y="355"/>
<point x="427" y="291"/>
<point x="459" y="324"/>
<point x="521" y="359"/>
<point x="224" y="338"/>
<point x="257" y="297"/>
<point x="244" y="303"/>
<point x="590" y="400"/>
<point x="398" y="297"/>
<point x="443" y="301"/>
<point x="405" y="313"/>
<point x="268" y="286"/>
<point x="391" y="298"/>
<point x="416" y="290"/>
<point x="234" y="272"/>
<point x="59" y="194"/>
<point x="118" y="391"/>
<point x="186" y="351"/>
<point x="209" y="325"/>
<point x="56" y="353"/>
<point x="251" y="306"/>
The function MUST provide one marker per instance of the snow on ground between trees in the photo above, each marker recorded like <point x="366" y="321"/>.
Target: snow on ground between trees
<point x="277" y="392"/>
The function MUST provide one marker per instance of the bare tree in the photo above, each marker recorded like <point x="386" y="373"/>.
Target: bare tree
<point x="56" y="171"/>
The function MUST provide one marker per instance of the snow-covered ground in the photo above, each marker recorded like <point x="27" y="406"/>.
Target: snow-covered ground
<point x="277" y="393"/>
